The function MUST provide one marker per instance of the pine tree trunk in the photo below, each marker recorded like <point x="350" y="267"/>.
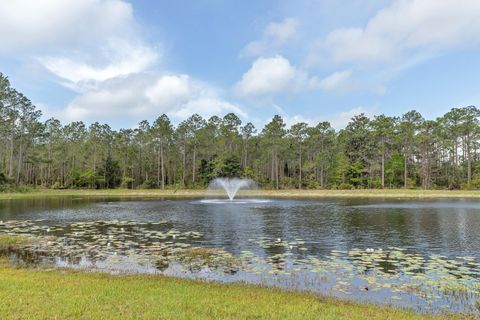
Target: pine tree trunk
<point x="300" y="166"/>
<point x="245" y="148"/>
<point x="383" y="170"/>
<point x="158" y="166"/>
<point x="162" y="165"/>
<point x="276" y="170"/>
<point x="20" y="163"/>
<point x="184" y="164"/>
<point x="193" y="164"/>
<point x="469" y="163"/>
<point x="321" y="176"/>
<point x="10" y="169"/>
<point x="273" y="167"/>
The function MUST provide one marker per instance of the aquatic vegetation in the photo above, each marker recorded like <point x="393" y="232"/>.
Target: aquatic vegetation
<point x="12" y="242"/>
<point x="386" y="275"/>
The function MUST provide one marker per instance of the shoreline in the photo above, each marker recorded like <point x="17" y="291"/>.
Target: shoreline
<point x="99" y="295"/>
<point x="294" y="193"/>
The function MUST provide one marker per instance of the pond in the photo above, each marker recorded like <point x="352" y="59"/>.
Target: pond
<point x="421" y="255"/>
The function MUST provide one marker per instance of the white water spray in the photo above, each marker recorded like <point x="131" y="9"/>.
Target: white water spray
<point x="231" y="186"/>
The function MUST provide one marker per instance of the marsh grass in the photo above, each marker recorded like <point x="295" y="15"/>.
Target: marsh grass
<point x="67" y="294"/>
<point x="13" y="242"/>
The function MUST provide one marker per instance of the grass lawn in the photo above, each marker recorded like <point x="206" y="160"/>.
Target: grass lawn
<point x="66" y="294"/>
<point x="372" y="193"/>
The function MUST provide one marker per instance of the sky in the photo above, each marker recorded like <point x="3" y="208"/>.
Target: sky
<point x="120" y="62"/>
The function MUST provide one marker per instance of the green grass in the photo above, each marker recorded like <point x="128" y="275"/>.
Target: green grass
<point x="372" y="193"/>
<point x="62" y="294"/>
<point x="11" y="241"/>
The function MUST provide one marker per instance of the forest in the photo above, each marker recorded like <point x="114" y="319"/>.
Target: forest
<point x="407" y="151"/>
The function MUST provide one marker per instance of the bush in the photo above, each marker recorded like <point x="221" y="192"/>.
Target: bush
<point x="57" y="185"/>
<point x="127" y="182"/>
<point x="345" y="186"/>
<point x="288" y="183"/>
<point x="22" y="189"/>
<point x="474" y="185"/>
<point x="5" y="188"/>
<point x="312" y="184"/>
<point x="375" y="183"/>
<point x="84" y="180"/>
<point x="148" y="184"/>
<point x="3" y="179"/>
<point x="14" y="188"/>
<point x="411" y="184"/>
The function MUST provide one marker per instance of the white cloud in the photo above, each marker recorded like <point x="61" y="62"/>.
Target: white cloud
<point x="123" y="57"/>
<point x="95" y="48"/>
<point x="341" y="119"/>
<point x="408" y="27"/>
<point x="170" y="89"/>
<point x="269" y="76"/>
<point x="82" y="42"/>
<point x="140" y="96"/>
<point x="281" y="32"/>
<point x="274" y="36"/>
<point x="337" y="120"/>
<point x="207" y="107"/>
<point x="336" y="81"/>
<point x="35" y="25"/>
<point x="291" y="120"/>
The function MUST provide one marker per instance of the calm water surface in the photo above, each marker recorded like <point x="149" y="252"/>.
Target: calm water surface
<point x="417" y="254"/>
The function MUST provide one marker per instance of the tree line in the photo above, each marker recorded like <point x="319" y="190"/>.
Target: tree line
<point x="408" y="151"/>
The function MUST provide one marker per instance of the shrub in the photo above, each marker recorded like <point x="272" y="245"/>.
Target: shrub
<point x="288" y="183"/>
<point x="411" y="184"/>
<point x="3" y="179"/>
<point x="345" y="186"/>
<point x="84" y="180"/>
<point x="57" y="185"/>
<point x="148" y="184"/>
<point x="127" y="182"/>
<point x="312" y="184"/>
<point x="375" y="183"/>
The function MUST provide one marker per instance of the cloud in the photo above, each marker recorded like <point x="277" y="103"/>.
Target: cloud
<point x="81" y="74"/>
<point x="30" y="25"/>
<point x="82" y="42"/>
<point x="274" y="36"/>
<point x="281" y="32"/>
<point x="337" y="120"/>
<point x="170" y="89"/>
<point x="336" y="81"/>
<point x="269" y="76"/>
<point x="291" y="120"/>
<point x="341" y="119"/>
<point x="95" y="48"/>
<point x="207" y="106"/>
<point x="406" y="28"/>
<point x="140" y="96"/>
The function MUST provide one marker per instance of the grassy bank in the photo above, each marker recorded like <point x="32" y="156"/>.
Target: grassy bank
<point x="295" y="193"/>
<point x="40" y="294"/>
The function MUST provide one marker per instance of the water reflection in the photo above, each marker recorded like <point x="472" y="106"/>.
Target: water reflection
<point x="318" y="245"/>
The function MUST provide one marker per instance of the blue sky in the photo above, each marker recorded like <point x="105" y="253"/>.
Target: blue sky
<point x="120" y="61"/>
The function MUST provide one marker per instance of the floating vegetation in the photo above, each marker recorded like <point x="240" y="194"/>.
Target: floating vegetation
<point x="389" y="275"/>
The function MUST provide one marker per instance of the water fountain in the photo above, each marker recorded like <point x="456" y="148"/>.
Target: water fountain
<point x="231" y="185"/>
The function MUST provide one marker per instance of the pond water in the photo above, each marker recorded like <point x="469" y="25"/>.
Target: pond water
<point x="417" y="254"/>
